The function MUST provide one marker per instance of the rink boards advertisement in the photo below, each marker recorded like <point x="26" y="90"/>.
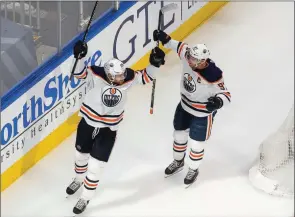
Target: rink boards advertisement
<point x="36" y="121"/>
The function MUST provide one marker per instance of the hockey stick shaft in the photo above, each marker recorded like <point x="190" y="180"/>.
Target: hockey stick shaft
<point x="159" y="25"/>
<point x="84" y="37"/>
<point x="154" y="80"/>
<point x="163" y="10"/>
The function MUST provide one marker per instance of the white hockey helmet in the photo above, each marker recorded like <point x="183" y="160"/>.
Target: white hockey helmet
<point x="197" y="54"/>
<point x="115" y="70"/>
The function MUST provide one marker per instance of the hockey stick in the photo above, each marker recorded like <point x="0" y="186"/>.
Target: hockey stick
<point x="163" y="10"/>
<point x="84" y="37"/>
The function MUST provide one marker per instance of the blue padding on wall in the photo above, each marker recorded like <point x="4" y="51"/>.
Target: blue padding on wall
<point x="39" y="73"/>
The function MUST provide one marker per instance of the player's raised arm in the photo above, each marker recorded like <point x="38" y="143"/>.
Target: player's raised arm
<point x="83" y="70"/>
<point x="80" y="50"/>
<point x="146" y="75"/>
<point x="178" y="46"/>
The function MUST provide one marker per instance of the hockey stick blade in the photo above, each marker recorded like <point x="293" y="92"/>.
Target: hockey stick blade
<point x="169" y="7"/>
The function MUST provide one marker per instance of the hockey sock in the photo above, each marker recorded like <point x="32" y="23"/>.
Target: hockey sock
<point x="95" y="169"/>
<point x="81" y="164"/>
<point x="196" y="154"/>
<point x="180" y="144"/>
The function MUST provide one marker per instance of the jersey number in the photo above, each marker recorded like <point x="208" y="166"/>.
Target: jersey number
<point x="221" y="86"/>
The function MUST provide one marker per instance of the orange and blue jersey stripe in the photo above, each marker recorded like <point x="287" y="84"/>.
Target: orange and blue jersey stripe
<point x="227" y="95"/>
<point x="110" y="120"/>
<point x="194" y="105"/>
<point x="180" y="48"/>
<point x="145" y="78"/>
<point x="82" y="74"/>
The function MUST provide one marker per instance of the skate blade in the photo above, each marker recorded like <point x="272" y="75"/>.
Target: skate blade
<point x="67" y="196"/>
<point x="188" y="185"/>
<point x="71" y="196"/>
<point x="177" y="171"/>
<point x="76" y="215"/>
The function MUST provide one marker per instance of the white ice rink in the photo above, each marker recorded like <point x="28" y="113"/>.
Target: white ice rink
<point x="253" y="43"/>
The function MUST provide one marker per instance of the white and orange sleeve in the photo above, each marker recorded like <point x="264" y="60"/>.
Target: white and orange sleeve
<point x="81" y="71"/>
<point x="222" y="92"/>
<point x="146" y="75"/>
<point x="178" y="46"/>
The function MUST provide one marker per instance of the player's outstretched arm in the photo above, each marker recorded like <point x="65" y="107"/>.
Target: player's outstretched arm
<point x="156" y="59"/>
<point x="80" y="50"/>
<point x="178" y="46"/>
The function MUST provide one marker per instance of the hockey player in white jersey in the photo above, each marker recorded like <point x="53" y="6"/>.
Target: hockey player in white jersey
<point x="102" y="110"/>
<point x="203" y="93"/>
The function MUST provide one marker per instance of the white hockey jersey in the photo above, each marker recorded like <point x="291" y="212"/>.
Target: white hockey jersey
<point x="103" y="106"/>
<point x="198" y="85"/>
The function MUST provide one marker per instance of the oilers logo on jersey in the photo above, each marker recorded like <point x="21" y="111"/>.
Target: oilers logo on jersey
<point x="189" y="83"/>
<point x="111" y="97"/>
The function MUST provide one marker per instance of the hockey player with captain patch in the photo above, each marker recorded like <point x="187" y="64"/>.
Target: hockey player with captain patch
<point x="203" y="93"/>
<point x="102" y="110"/>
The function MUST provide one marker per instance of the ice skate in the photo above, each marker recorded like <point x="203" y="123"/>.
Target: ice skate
<point x="73" y="187"/>
<point x="80" y="206"/>
<point x="191" y="177"/>
<point x="175" y="167"/>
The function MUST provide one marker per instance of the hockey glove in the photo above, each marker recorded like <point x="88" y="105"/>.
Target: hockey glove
<point x="157" y="57"/>
<point x="81" y="49"/>
<point x="161" y="36"/>
<point x="214" y="103"/>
